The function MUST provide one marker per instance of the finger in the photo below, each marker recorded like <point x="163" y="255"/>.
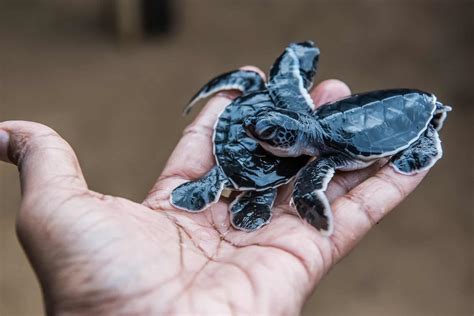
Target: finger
<point x="329" y="90"/>
<point x="46" y="161"/>
<point x="365" y="205"/>
<point x="192" y="157"/>
<point x="345" y="181"/>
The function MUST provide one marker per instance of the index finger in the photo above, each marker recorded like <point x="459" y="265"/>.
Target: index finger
<point x="361" y="208"/>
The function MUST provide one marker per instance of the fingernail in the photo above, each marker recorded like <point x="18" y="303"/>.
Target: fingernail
<point x="4" y="143"/>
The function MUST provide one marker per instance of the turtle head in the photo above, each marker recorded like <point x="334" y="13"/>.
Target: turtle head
<point x="278" y="131"/>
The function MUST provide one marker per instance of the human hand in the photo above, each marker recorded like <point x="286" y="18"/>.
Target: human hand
<point x="97" y="254"/>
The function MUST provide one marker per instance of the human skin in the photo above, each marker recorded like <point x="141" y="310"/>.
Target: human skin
<point x="97" y="254"/>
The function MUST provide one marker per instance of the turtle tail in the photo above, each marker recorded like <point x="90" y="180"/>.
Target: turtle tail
<point x="243" y="80"/>
<point x="195" y="196"/>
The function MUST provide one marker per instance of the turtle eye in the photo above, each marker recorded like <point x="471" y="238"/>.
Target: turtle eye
<point x="268" y="132"/>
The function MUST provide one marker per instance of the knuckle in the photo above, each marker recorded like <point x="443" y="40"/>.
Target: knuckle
<point x="341" y="184"/>
<point x="29" y="136"/>
<point x="198" y="129"/>
<point x="366" y="208"/>
<point x="402" y="192"/>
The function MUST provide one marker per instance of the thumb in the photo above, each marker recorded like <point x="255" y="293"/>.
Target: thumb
<point x="46" y="162"/>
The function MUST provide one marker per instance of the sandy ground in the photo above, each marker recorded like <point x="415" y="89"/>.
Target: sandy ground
<point x="119" y="107"/>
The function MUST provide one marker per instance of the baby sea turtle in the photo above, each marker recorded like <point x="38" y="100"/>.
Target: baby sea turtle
<point x="351" y="134"/>
<point x="241" y="163"/>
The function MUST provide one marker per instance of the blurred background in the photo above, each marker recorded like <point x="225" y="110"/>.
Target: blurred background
<point x="113" y="76"/>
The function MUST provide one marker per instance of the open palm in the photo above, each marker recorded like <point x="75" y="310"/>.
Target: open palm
<point x="97" y="254"/>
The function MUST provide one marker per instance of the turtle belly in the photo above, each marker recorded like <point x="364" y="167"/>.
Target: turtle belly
<point x="247" y="165"/>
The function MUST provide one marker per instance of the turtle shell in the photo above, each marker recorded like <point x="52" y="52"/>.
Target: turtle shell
<point x="378" y="123"/>
<point x="243" y="160"/>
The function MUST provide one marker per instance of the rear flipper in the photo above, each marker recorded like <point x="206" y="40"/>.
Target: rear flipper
<point x="421" y="155"/>
<point x="440" y="114"/>
<point x="252" y="209"/>
<point x="195" y="196"/>
<point x="244" y="80"/>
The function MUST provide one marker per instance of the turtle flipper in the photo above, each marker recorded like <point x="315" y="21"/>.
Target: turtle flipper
<point x="309" y="197"/>
<point x="252" y="209"/>
<point x="195" y="196"/>
<point x="440" y="114"/>
<point x="291" y="77"/>
<point x="421" y="155"/>
<point x="244" y="80"/>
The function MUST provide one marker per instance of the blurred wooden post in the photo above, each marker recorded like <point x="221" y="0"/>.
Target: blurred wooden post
<point x="128" y="20"/>
<point x="133" y="19"/>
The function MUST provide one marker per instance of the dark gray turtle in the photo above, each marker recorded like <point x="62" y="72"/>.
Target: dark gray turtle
<point x="351" y="134"/>
<point x="241" y="163"/>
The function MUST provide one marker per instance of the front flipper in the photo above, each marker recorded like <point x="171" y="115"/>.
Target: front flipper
<point x="195" y="196"/>
<point x="291" y="77"/>
<point x="309" y="197"/>
<point x="252" y="209"/>
<point x="421" y="155"/>
<point x="244" y="80"/>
